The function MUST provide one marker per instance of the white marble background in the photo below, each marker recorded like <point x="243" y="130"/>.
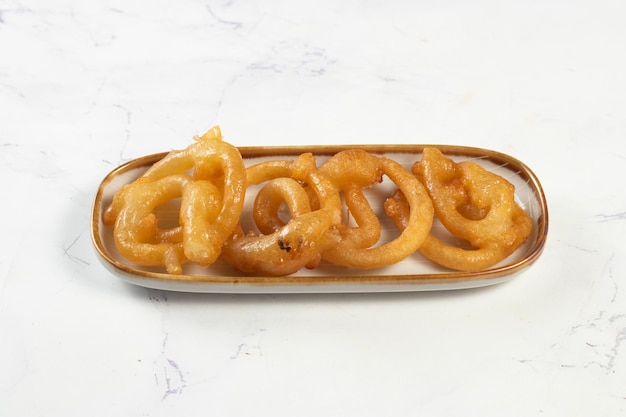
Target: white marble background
<point x="87" y="85"/>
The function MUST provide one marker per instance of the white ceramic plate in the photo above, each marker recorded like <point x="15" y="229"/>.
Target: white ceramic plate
<point x="413" y="274"/>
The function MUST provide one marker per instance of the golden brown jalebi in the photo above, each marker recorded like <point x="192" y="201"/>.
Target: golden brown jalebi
<point x="220" y="165"/>
<point x="269" y="200"/>
<point x="210" y="180"/>
<point x="474" y="205"/>
<point x="298" y="243"/>
<point x="212" y="198"/>
<point x="351" y="171"/>
<point x="136" y="231"/>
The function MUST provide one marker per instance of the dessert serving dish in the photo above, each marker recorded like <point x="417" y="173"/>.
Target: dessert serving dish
<point x="415" y="273"/>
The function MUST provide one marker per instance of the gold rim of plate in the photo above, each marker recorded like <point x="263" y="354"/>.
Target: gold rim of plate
<point x="336" y="279"/>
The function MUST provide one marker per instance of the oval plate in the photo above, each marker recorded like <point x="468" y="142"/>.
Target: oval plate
<point x="412" y="274"/>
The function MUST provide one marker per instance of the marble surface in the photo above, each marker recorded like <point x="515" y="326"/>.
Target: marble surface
<point x="85" y="86"/>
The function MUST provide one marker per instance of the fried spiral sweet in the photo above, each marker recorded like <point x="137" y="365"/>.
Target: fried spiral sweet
<point x="353" y="170"/>
<point x="304" y="215"/>
<point x="220" y="167"/>
<point x="269" y="200"/>
<point x="474" y="205"/>
<point x="298" y="243"/>
<point x="136" y="233"/>
<point x="209" y="178"/>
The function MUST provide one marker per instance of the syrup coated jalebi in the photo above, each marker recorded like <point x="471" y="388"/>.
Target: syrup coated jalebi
<point x="352" y="171"/>
<point x="212" y="198"/>
<point x="212" y="182"/>
<point x="136" y="231"/>
<point x="474" y="205"/>
<point x="301" y="241"/>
